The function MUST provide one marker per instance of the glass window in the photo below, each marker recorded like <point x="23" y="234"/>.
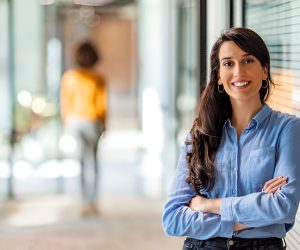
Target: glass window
<point x="187" y="82"/>
<point x="278" y="22"/>
<point x="4" y="70"/>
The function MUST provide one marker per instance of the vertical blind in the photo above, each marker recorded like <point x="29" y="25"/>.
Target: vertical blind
<point x="278" y="22"/>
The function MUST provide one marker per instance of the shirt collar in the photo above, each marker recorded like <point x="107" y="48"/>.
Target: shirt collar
<point x="227" y="123"/>
<point x="258" y="119"/>
<point x="262" y="114"/>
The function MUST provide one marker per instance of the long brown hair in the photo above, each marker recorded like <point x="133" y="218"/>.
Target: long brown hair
<point x="215" y="108"/>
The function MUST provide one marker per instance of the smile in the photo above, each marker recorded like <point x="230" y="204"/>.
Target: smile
<point x="241" y="84"/>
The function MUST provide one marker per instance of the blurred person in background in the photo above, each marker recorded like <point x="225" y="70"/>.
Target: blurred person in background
<point x="83" y="110"/>
<point x="237" y="182"/>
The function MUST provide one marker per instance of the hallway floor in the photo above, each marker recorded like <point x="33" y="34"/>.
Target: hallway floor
<point x="53" y="222"/>
<point x="130" y="217"/>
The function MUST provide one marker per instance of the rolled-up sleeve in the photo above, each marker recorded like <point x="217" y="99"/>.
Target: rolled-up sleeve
<point x="180" y="220"/>
<point x="261" y="209"/>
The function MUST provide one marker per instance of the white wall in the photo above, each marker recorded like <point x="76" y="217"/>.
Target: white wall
<point x="28" y="42"/>
<point x="218" y="19"/>
<point x="5" y="108"/>
<point x="238" y="13"/>
<point x="156" y="42"/>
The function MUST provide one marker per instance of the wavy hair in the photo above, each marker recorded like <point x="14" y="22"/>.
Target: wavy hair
<point x="215" y="109"/>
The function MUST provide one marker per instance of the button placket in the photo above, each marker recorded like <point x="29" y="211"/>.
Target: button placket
<point x="234" y="172"/>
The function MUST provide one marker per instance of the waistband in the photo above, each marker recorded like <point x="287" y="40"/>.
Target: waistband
<point x="235" y="242"/>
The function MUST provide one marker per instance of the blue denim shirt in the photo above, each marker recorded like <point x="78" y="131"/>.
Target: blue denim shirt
<point x="267" y="148"/>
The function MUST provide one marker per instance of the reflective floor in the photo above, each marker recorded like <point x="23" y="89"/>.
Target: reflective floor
<point x="53" y="222"/>
<point x="130" y="206"/>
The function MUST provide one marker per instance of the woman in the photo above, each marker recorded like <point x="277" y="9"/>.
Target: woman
<point x="236" y="185"/>
<point x="83" y="109"/>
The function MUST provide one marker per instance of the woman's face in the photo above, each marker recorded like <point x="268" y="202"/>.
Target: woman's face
<point x="240" y="73"/>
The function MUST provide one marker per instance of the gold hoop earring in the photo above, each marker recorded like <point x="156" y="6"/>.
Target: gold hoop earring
<point x="266" y="85"/>
<point x="220" y="90"/>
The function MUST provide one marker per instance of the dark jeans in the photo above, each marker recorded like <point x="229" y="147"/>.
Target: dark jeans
<point x="234" y="243"/>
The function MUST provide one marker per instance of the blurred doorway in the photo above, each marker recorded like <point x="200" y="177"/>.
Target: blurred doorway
<point x="113" y="29"/>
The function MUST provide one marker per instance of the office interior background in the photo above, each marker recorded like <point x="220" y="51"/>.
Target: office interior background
<point x="155" y="59"/>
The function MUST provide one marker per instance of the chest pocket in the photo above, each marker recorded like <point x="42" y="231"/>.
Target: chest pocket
<point x="261" y="167"/>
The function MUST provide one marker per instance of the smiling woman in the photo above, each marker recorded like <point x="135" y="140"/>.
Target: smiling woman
<point x="236" y="185"/>
<point x="241" y="74"/>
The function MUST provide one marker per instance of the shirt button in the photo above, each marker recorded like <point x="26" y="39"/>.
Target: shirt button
<point x="230" y="242"/>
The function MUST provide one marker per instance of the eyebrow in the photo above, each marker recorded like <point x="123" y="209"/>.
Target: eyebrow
<point x="226" y="58"/>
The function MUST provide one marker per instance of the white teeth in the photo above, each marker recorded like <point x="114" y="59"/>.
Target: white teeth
<point x="240" y="84"/>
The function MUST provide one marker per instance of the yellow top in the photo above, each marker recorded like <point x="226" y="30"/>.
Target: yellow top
<point x="83" y="94"/>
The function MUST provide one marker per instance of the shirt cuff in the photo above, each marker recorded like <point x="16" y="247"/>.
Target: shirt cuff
<point x="226" y="209"/>
<point x="227" y="223"/>
<point x="227" y="229"/>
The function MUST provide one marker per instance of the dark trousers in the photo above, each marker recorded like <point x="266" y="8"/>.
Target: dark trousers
<point x="234" y="243"/>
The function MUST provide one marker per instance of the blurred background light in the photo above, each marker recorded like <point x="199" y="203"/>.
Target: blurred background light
<point x="152" y="120"/>
<point x="49" y="169"/>
<point x="24" y="97"/>
<point x="23" y="170"/>
<point x="38" y="105"/>
<point x="67" y="144"/>
<point x="32" y="149"/>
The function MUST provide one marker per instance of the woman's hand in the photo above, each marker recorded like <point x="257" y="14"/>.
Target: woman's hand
<point x="273" y="185"/>
<point x="239" y="227"/>
<point x="198" y="203"/>
<point x="205" y="205"/>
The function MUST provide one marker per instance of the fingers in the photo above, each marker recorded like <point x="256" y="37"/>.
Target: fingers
<point x="272" y="180"/>
<point x="275" y="189"/>
<point x="275" y="184"/>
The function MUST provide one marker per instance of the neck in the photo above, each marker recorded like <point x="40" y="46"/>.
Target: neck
<point x="242" y="113"/>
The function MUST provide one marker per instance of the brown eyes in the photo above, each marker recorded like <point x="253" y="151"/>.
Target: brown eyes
<point x="230" y="63"/>
<point x="248" y="61"/>
<point x="227" y="64"/>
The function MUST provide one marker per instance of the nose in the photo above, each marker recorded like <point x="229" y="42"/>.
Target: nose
<point x="239" y="69"/>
